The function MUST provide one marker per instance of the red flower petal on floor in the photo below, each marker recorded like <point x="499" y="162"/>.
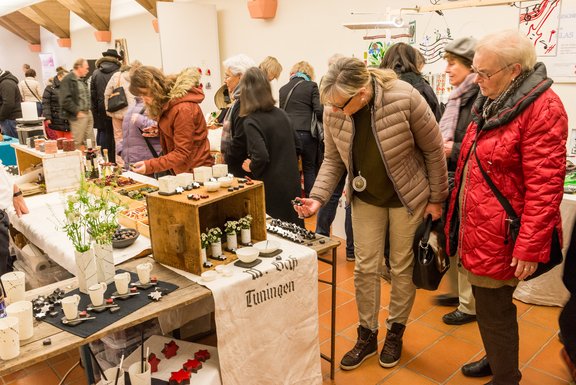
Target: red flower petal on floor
<point x="181" y="377"/>
<point x="202" y="355"/>
<point x="192" y="366"/>
<point x="170" y="349"/>
<point x="154" y="362"/>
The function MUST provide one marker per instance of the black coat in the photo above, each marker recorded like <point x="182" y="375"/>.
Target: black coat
<point x="69" y="96"/>
<point x="418" y="82"/>
<point x="464" y="118"/>
<point x="106" y="67"/>
<point x="304" y="101"/>
<point x="237" y="153"/>
<point x="51" y="107"/>
<point x="271" y="147"/>
<point x="10" y="97"/>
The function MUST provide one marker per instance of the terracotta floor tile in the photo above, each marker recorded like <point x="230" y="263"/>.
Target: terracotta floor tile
<point x="343" y="296"/>
<point x="24" y="372"/>
<point x="419" y="336"/>
<point x="63" y="366"/>
<point x="323" y="333"/>
<point x="350" y="332"/>
<point x="343" y="345"/>
<point x="452" y="352"/>
<point x="347" y="286"/>
<point x="405" y="376"/>
<point x="324" y="302"/>
<point x="346" y="315"/>
<point x="370" y="372"/>
<point x="532" y="376"/>
<point x="545" y="316"/>
<point x="468" y="332"/>
<point x="459" y="379"/>
<point x="532" y="338"/>
<point x="44" y="376"/>
<point x="521" y="307"/>
<point x="434" y="319"/>
<point x="422" y="305"/>
<point x="549" y="361"/>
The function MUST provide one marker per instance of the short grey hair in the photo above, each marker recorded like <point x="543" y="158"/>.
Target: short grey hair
<point x="239" y="64"/>
<point x="510" y="47"/>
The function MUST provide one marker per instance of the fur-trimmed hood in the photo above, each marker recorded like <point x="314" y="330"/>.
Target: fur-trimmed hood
<point x="108" y="64"/>
<point x="185" y="88"/>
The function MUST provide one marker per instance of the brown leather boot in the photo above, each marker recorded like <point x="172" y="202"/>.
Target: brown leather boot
<point x="392" y="350"/>
<point x="366" y="346"/>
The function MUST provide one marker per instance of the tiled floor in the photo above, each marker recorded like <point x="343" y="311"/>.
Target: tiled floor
<point x="433" y="352"/>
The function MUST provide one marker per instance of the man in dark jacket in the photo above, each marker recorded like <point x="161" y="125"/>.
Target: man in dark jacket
<point x="106" y="66"/>
<point x="10" y="99"/>
<point x="75" y="104"/>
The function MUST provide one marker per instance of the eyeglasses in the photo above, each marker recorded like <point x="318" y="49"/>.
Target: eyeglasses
<point x="343" y="106"/>
<point x="485" y="75"/>
<point x="228" y="76"/>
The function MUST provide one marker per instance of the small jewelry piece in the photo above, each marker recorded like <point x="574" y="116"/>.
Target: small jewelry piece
<point x="359" y="183"/>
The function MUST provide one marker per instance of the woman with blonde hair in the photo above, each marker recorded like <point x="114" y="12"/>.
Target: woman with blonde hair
<point x="174" y="102"/>
<point x="300" y="99"/>
<point x="382" y="132"/>
<point x="515" y="148"/>
<point x="272" y="69"/>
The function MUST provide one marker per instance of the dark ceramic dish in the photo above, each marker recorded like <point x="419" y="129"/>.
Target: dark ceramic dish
<point x="124" y="237"/>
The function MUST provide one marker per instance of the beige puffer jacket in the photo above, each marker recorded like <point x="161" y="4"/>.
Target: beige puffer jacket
<point x="410" y="143"/>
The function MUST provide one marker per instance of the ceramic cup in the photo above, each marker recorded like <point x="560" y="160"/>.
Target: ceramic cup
<point x="111" y="377"/>
<point x="14" y="286"/>
<point x="136" y="375"/>
<point x="23" y="311"/>
<point x="9" y="341"/>
<point x="70" y="306"/>
<point x="96" y="293"/>
<point x="143" y="271"/>
<point x="122" y="281"/>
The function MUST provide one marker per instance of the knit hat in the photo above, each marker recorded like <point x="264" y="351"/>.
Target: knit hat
<point x="462" y="47"/>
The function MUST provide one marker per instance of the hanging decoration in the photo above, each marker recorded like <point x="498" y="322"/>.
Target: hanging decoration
<point x="432" y="47"/>
<point x="540" y="24"/>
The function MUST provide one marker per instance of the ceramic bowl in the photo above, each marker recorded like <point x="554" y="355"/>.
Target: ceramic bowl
<point x="212" y="186"/>
<point x="267" y="246"/>
<point x="247" y="254"/>
<point x="209" y="275"/>
<point x="225" y="270"/>
<point x="124" y="237"/>
<point x="225" y="181"/>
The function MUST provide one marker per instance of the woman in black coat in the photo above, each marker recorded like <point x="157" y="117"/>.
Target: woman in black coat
<point x="271" y="146"/>
<point x="300" y="99"/>
<point x="57" y="125"/>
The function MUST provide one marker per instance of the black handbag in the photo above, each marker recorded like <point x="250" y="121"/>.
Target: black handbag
<point x="430" y="264"/>
<point x="514" y="223"/>
<point x="117" y="99"/>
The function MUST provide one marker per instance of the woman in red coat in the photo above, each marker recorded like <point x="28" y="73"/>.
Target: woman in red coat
<point x="173" y="101"/>
<point x="519" y="130"/>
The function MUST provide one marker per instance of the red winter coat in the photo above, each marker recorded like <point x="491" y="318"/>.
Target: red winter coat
<point x="523" y="150"/>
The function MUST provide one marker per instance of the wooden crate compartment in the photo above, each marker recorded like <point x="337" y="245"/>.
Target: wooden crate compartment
<point x="131" y="203"/>
<point x="176" y="222"/>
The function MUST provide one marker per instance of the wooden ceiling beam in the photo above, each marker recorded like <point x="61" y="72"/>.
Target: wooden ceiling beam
<point x="21" y="26"/>
<point x="48" y="19"/>
<point x="98" y="16"/>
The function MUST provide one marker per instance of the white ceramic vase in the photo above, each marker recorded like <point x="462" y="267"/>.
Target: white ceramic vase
<point x="245" y="236"/>
<point x="86" y="271"/>
<point x="105" y="269"/>
<point x="216" y="248"/>
<point x="231" y="241"/>
<point x="203" y="255"/>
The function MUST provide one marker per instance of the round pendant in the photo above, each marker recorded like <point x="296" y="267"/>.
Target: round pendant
<point x="359" y="183"/>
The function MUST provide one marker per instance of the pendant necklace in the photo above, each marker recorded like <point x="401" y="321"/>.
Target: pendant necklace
<point x="359" y="183"/>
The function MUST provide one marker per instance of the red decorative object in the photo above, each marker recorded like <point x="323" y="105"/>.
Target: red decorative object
<point x="109" y="301"/>
<point x="154" y="362"/>
<point x="83" y="314"/>
<point x="133" y="289"/>
<point x="202" y="355"/>
<point x="200" y="70"/>
<point x="208" y="72"/>
<point x="181" y="377"/>
<point x="154" y="279"/>
<point x="170" y="349"/>
<point x="201" y="86"/>
<point x="192" y="366"/>
<point x="262" y="9"/>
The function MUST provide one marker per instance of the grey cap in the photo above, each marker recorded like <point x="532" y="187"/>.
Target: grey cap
<point x="462" y="47"/>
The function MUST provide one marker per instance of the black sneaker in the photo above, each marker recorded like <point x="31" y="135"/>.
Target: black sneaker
<point x="350" y="258"/>
<point x="392" y="349"/>
<point x="366" y="346"/>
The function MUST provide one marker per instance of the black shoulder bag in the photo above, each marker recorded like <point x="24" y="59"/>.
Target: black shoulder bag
<point x="429" y="264"/>
<point x="514" y="223"/>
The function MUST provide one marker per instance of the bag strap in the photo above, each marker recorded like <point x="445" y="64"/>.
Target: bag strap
<point x="118" y="83"/>
<point x="290" y="94"/>
<point x="503" y="201"/>
<point x="147" y="140"/>
<point x="37" y="98"/>
<point x="427" y="230"/>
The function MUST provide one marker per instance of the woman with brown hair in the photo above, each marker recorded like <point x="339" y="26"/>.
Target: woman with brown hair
<point x="271" y="145"/>
<point x="173" y="101"/>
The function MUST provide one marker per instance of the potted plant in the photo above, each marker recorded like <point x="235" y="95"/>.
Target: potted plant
<point x="102" y="217"/>
<point x="204" y="243"/>
<point x="245" y="223"/>
<point x="215" y="236"/>
<point x="231" y="229"/>
<point x="76" y="228"/>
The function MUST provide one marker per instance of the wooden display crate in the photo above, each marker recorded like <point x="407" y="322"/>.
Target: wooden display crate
<point x="139" y="223"/>
<point x="176" y="222"/>
<point x="129" y="202"/>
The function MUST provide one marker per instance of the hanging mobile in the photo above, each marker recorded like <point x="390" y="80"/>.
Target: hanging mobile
<point x="359" y="183"/>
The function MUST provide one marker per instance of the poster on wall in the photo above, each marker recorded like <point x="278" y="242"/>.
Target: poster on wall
<point x="540" y="21"/>
<point x="48" y="66"/>
<point x="121" y="47"/>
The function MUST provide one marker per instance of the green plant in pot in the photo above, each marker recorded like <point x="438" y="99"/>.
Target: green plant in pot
<point x="245" y="224"/>
<point x="215" y="236"/>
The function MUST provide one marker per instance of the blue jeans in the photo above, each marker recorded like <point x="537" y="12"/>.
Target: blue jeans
<point x="327" y="213"/>
<point x="9" y="128"/>
<point x="309" y="157"/>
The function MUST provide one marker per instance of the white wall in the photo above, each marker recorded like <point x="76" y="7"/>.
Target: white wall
<point x="14" y="52"/>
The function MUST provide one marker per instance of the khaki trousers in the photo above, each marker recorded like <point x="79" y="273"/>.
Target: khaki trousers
<point x="369" y="224"/>
<point x="460" y="287"/>
<point x="117" y="125"/>
<point x="82" y="129"/>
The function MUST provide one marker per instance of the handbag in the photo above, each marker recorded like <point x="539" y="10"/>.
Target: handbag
<point x="430" y="263"/>
<point x="514" y="223"/>
<point x="317" y="128"/>
<point x="117" y="99"/>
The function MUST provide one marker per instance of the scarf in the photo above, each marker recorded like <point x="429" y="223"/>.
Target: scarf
<point x="449" y="119"/>
<point x="300" y="75"/>
<point x="492" y="107"/>
<point x="226" y="138"/>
